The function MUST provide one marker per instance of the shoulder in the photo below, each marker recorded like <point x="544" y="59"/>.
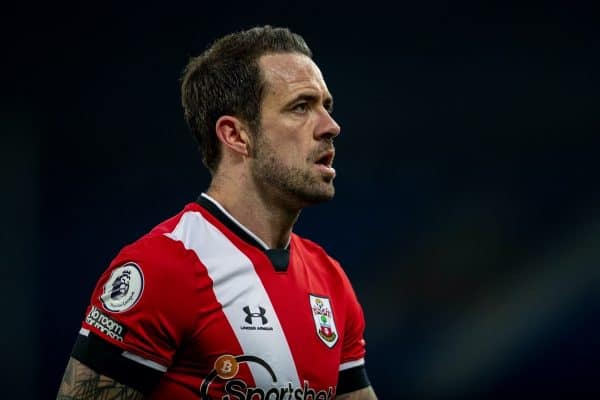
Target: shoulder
<point x="311" y="248"/>
<point x="149" y="272"/>
<point x="158" y="251"/>
<point x="314" y="252"/>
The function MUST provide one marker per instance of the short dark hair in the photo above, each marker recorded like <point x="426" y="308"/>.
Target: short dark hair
<point x="226" y="80"/>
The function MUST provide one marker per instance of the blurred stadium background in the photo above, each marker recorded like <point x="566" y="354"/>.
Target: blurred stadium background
<point x="468" y="205"/>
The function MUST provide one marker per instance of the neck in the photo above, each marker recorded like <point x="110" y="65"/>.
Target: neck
<point x="259" y="212"/>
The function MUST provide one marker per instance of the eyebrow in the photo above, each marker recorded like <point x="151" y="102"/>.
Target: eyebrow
<point x="311" y="98"/>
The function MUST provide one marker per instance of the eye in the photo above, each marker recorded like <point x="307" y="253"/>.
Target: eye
<point x="300" y="108"/>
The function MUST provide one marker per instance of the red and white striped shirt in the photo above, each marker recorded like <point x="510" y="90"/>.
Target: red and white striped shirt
<point x="205" y="303"/>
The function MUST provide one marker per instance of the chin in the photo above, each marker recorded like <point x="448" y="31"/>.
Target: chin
<point x="318" y="196"/>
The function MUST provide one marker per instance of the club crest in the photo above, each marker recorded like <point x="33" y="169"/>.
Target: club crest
<point x="323" y="317"/>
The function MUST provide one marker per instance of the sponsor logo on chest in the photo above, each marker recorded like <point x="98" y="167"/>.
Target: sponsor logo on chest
<point x="323" y="318"/>
<point x="234" y="386"/>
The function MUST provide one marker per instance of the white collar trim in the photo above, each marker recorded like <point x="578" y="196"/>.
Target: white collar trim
<point x="238" y="223"/>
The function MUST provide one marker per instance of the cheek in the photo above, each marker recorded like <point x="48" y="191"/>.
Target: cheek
<point x="290" y="140"/>
<point x="296" y="150"/>
<point x="286" y="142"/>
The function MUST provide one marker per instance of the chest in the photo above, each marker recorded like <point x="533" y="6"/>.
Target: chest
<point x="258" y="328"/>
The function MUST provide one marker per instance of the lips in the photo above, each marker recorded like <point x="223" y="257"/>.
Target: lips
<point x="324" y="162"/>
<point x="326" y="158"/>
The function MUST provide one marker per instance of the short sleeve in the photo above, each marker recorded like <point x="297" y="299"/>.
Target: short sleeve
<point x="352" y="372"/>
<point x="141" y="303"/>
<point x="353" y="348"/>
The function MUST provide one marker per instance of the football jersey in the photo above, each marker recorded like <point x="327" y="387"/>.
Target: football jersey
<point x="201" y="308"/>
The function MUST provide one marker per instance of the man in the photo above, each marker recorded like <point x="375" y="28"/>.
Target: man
<point x="223" y="301"/>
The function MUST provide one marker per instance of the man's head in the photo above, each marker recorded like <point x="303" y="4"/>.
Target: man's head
<point x="226" y="80"/>
<point x="260" y="109"/>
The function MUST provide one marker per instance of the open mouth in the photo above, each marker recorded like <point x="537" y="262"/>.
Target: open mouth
<point x="326" y="159"/>
<point x="324" y="163"/>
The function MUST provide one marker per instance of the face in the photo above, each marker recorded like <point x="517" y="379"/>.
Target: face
<point x="293" y="152"/>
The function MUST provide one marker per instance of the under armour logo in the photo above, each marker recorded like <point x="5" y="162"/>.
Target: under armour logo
<point x="260" y="314"/>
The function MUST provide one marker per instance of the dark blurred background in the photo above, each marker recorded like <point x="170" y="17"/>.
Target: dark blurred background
<point x="467" y="212"/>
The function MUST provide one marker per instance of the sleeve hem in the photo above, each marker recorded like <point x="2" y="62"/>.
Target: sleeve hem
<point x="107" y="359"/>
<point x="352" y="379"/>
<point x="351" y="364"/>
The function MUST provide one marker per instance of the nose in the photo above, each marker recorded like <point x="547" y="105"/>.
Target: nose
<point x="327" y="126"/>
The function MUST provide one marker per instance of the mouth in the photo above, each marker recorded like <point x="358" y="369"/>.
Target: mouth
<point x="324" y="163"/>
<point x="326" y="158"/>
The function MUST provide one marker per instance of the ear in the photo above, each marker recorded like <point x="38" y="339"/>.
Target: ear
<point x="233" y="134"/>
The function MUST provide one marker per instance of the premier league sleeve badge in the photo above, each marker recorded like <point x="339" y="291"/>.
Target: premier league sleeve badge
<point x="123" y="289"/>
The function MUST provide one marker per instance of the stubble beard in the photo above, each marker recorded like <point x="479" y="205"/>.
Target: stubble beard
<point x="298" y="185"/>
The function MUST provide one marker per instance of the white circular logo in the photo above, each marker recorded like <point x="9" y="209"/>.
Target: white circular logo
<point x="123" y="289"/>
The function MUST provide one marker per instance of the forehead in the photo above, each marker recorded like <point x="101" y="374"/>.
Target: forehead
<point x="291" y="72"/>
